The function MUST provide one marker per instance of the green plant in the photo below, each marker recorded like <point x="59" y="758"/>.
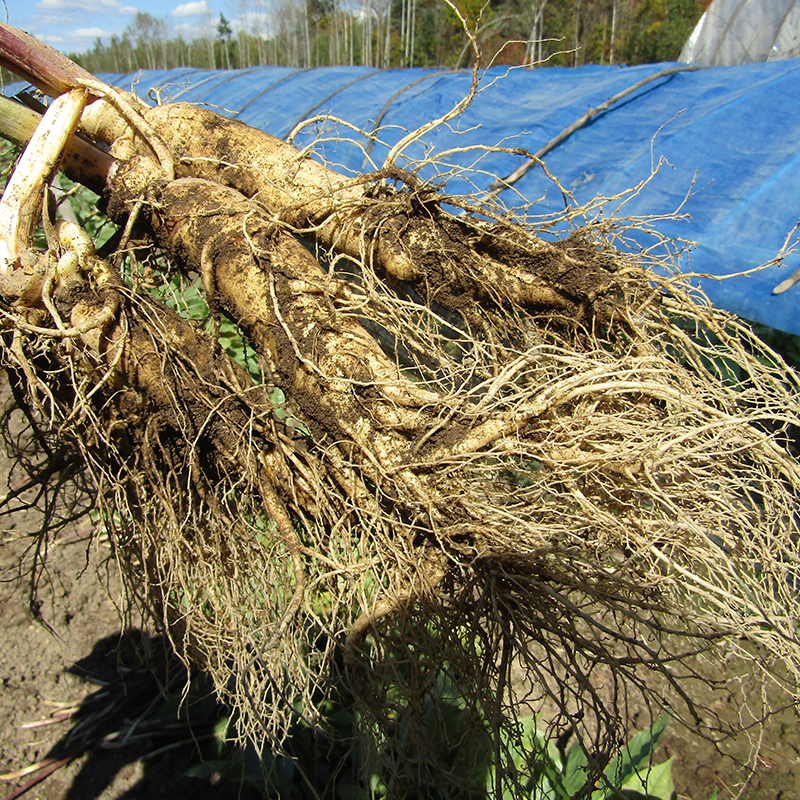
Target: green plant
<point x="559" y="775"/>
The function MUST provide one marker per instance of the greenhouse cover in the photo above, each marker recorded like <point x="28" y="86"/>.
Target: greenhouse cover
<point x="734" y="32"/>
<point x="728" y="140"/>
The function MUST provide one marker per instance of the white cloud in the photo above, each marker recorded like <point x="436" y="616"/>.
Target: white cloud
<point x="60" y="5"/>
<point x="46" y="21"/>
<point x="50" y="39"/>
<point x="91" y="6"/>
<point x="90" y="33"/>
<point x="190" y="31"/>
<point x="193" y="9"/>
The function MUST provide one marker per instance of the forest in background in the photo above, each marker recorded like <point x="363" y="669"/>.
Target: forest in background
<point x="406" y="33"/>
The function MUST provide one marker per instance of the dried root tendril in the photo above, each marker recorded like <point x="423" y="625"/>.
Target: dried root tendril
<point x="541" y="473"/>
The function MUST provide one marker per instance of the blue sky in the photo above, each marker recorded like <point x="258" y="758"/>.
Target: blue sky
<point x="72" y="25"/>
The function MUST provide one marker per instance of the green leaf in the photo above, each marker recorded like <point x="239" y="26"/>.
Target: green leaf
<point x="635" y="756"/>
<point x="536" y="756"/>
<point x="576" y="769"/>
<point x="655" y="782"/>
<point x="221" y="727"/>
<point x="206" y="769"/>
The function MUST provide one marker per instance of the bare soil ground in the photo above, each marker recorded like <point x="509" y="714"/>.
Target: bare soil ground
<point x="41" y="667"/>
<point x="75" y="649"/>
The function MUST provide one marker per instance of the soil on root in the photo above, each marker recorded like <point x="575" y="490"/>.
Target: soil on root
<point x="496" y="266"/>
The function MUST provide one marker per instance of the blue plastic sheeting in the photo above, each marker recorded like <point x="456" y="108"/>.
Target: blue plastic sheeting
<point x="730" y="137"/>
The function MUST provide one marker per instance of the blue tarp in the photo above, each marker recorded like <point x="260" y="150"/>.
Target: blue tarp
<point x="730" y="137"/>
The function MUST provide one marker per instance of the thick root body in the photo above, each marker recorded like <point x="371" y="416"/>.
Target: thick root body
<point x="404" y="233"/>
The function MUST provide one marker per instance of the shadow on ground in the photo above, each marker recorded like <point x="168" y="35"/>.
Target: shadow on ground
<point x="144" y="724"/>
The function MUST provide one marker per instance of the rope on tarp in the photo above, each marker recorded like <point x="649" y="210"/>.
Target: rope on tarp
<point x="500" y="184"/>
<point x="788" y="246"/>
<point x="388" y="105"/>
<point x="193" y="86"/>
<point x="306" y="114"/>
<point x="270" y="87"/>
<point x="784" y="286"/>
<point x="233" y="76"/>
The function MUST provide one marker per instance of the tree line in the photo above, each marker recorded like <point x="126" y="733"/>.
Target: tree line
<point x="406" y="33"/>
